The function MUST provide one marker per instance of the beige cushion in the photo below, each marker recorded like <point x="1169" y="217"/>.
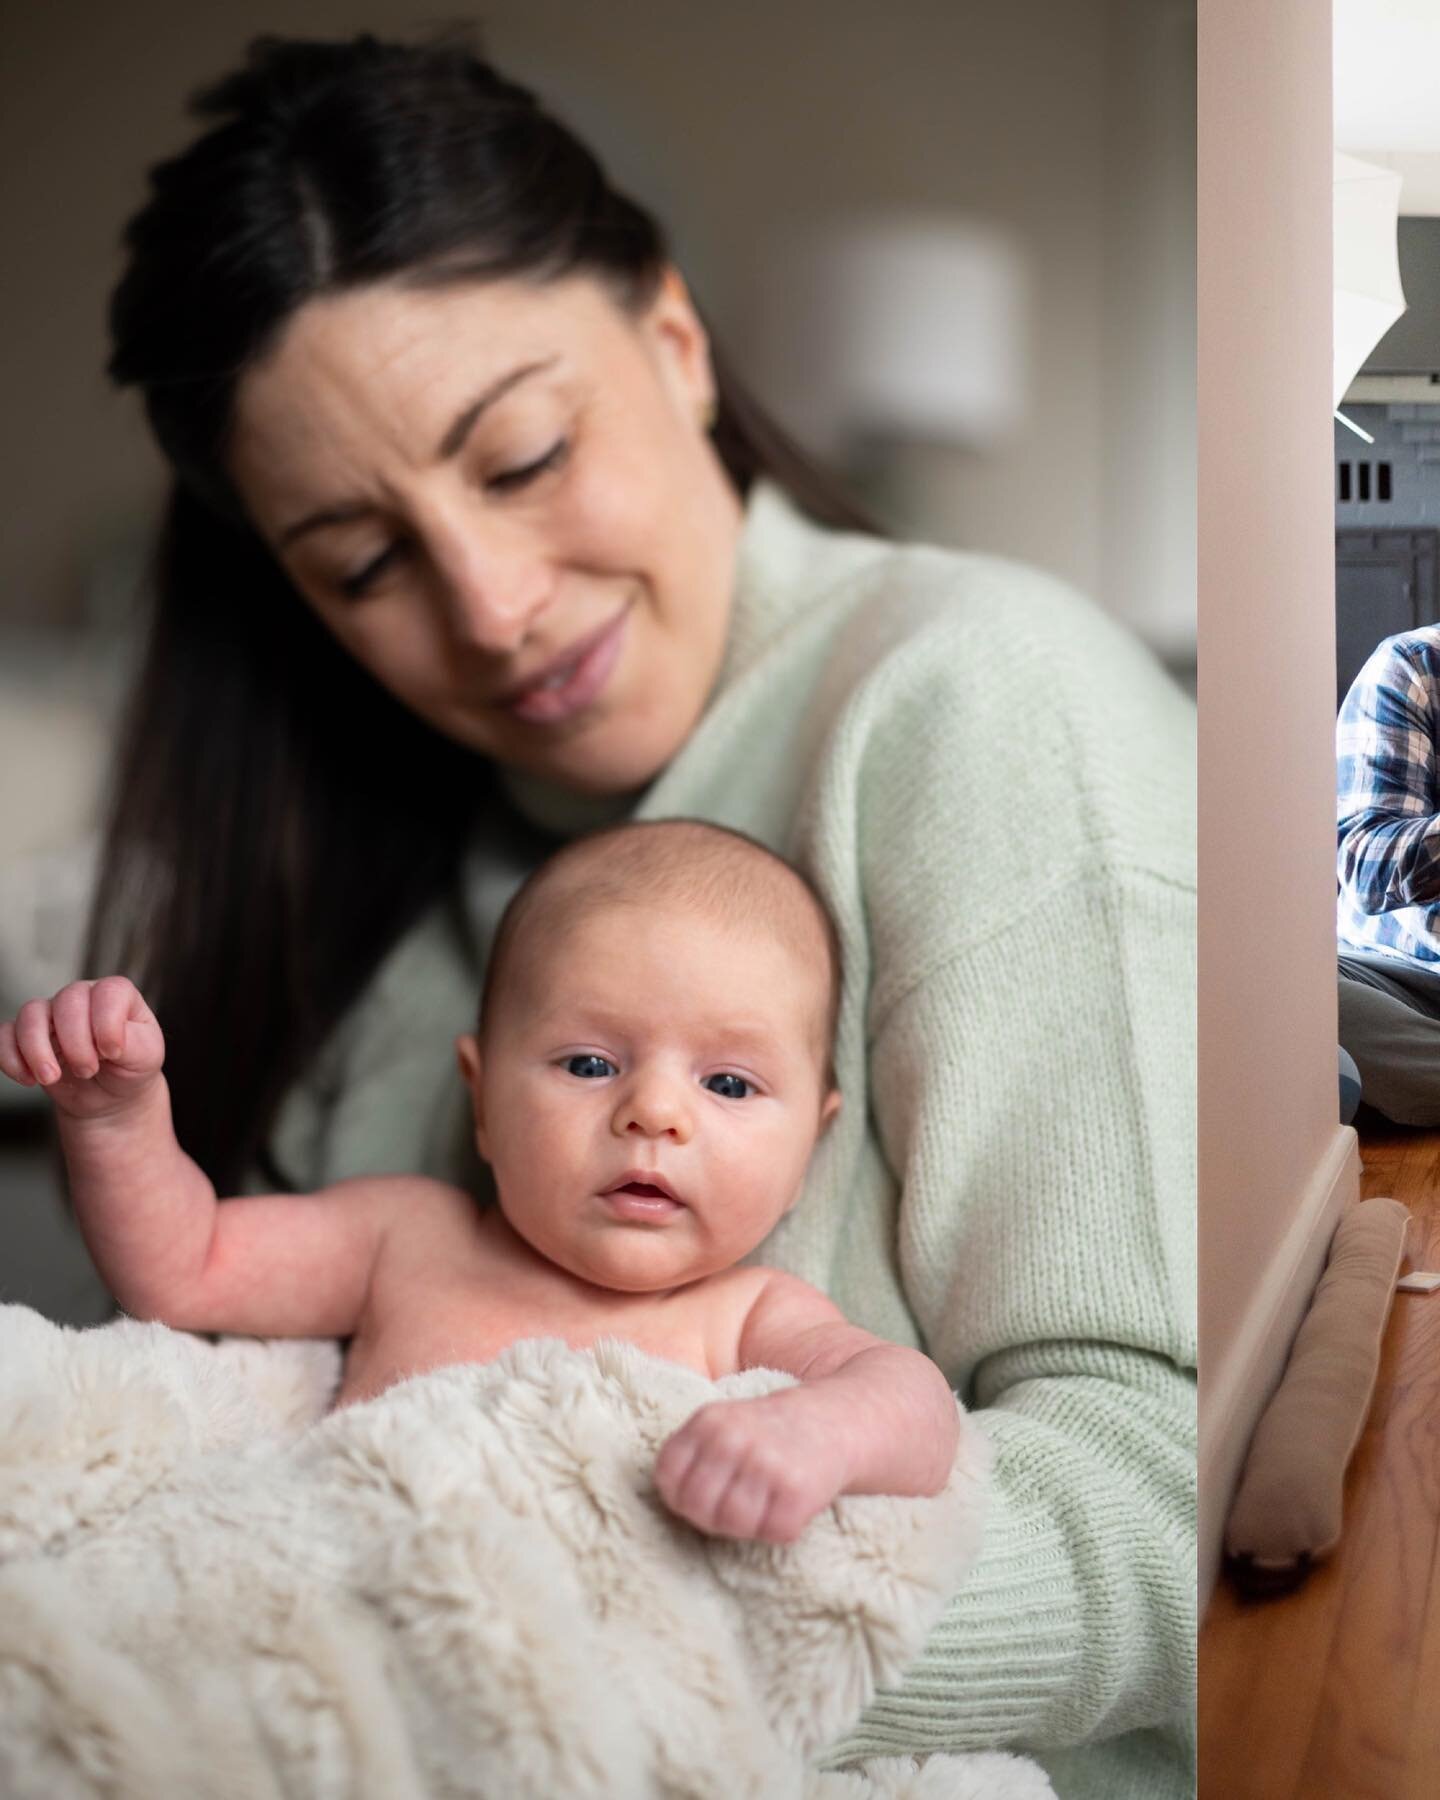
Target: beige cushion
<point x="1287" y="1509"/>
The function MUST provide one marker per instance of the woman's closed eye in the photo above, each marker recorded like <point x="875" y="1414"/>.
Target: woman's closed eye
<point x="507" y="481"/>
<point x="353" y="586"/>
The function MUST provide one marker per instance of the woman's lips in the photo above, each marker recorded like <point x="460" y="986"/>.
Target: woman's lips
<point x="573" y="684"/>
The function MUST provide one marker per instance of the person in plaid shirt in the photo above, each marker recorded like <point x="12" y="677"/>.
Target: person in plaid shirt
<point x="1389" y="876"/>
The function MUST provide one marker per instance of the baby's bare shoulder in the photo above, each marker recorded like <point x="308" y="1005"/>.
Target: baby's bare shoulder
<point x="417" y="1212"/>
<point x="400" y="1193"/>
<point x="772" y="1287"/>
<point x="730" y="1299"/>
<point x="788" y="1324"/>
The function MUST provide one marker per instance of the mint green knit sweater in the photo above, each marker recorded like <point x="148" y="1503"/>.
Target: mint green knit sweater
<point x="994" y="789"/>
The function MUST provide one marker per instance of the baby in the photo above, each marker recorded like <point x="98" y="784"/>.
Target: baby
<point x="650" y="1074"/>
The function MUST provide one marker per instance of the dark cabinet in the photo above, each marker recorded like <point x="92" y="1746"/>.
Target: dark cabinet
<point x="1384" y="584"/>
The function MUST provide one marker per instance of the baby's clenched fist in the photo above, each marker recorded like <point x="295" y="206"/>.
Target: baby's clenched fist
<point x="757" y="1468"/>
<point x="95" y="1047"/>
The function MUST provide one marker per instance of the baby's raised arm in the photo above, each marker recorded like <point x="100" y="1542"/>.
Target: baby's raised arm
<point x="869" y="1417"/>
<point x="274" y="1265"/>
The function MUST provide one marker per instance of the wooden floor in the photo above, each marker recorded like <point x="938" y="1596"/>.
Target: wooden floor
<point x="1333" y="1693"/>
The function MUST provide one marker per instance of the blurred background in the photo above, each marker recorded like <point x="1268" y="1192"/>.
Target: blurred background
<point x="1387" y="457"/>
<point x="952" y="245"/>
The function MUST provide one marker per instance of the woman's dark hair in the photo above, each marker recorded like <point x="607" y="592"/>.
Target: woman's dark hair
<point x="278" y="819"/>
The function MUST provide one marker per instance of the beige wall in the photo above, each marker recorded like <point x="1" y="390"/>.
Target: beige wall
<point x="736" y="122"/>
<point x="1147" y="548"/>
<point x="1274" y="1162"/>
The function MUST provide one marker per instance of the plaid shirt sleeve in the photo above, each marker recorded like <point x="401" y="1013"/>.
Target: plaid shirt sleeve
<point x="1389" y="810"/>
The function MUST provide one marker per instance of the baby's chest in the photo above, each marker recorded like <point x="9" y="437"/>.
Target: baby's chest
<point x="470" y="1312"/>
<point x="474" y="1325"/>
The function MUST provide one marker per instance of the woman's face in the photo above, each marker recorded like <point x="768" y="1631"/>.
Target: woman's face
<point x="502" y="499"/>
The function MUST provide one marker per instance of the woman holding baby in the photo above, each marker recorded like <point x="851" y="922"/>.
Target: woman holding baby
<point x="475" y="543"/>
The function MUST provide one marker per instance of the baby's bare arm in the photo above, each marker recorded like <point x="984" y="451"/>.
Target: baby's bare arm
<point x="869" y="1417"/>
<point x="891" y="1406"/>
<point x="282" y="1265"/>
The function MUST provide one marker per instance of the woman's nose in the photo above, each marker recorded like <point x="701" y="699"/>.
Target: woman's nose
<point x="494" y="590"/>
<point x="653" y="1108"/>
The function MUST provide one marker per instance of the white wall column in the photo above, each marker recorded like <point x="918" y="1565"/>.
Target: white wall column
<point x="1275" y="1165"/>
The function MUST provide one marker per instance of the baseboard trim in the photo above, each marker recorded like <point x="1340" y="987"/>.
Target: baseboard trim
<point x="1236" y="1392"/>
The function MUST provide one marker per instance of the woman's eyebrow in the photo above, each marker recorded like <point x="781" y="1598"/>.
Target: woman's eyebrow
<point x="448" y="446"/>
<point x="464" y="420"/>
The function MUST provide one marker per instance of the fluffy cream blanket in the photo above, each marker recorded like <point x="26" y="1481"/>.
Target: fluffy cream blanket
<point x="213" y="1589"/>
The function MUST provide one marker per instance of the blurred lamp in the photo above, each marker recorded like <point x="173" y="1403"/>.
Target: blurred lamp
<point x="900" y="327"/>
<point x="1368" y="295"/>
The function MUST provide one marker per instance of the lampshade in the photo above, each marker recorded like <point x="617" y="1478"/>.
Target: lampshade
<point x="902" y="326"/>
<point x="1368" y="295"/>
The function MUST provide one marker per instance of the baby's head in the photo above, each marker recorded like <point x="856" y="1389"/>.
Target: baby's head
<point x="660" y="1002"/>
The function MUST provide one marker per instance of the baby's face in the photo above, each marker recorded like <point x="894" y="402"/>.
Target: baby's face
<point x="652" y="1044"/>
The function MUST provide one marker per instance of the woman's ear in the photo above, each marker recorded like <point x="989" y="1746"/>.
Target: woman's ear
<point x="682" y="344"/>
<point x="467" y="1055"/>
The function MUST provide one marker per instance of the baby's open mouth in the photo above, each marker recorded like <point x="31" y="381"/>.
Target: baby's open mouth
<point x="641" y="1193"/>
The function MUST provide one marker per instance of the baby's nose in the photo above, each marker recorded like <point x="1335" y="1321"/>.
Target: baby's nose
<point x="653" y="1109"/>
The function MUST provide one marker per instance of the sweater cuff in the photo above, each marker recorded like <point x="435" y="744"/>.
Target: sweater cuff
<point x="1007" y="1647"/>
<point x="1076" y="1623"/>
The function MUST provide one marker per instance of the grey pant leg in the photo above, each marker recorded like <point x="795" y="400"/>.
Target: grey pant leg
<point x="1390" y="1024"/>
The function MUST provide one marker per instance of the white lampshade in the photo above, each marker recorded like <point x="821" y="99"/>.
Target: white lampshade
<point x="901" y="326"/>
<point x="1368" y="295"/>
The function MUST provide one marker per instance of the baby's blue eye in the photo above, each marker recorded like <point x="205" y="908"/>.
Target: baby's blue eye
<point x="730" y="1087"/>
<point x="590" y="1067"/>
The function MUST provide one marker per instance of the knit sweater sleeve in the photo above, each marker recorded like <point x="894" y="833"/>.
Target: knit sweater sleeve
<point x="1032" y="1086"/>
<point x="1044" y="1246"/>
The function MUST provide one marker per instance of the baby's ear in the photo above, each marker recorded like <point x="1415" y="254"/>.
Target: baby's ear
<point x="829" y="1108"/>
<point x="467" y="1056"/>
